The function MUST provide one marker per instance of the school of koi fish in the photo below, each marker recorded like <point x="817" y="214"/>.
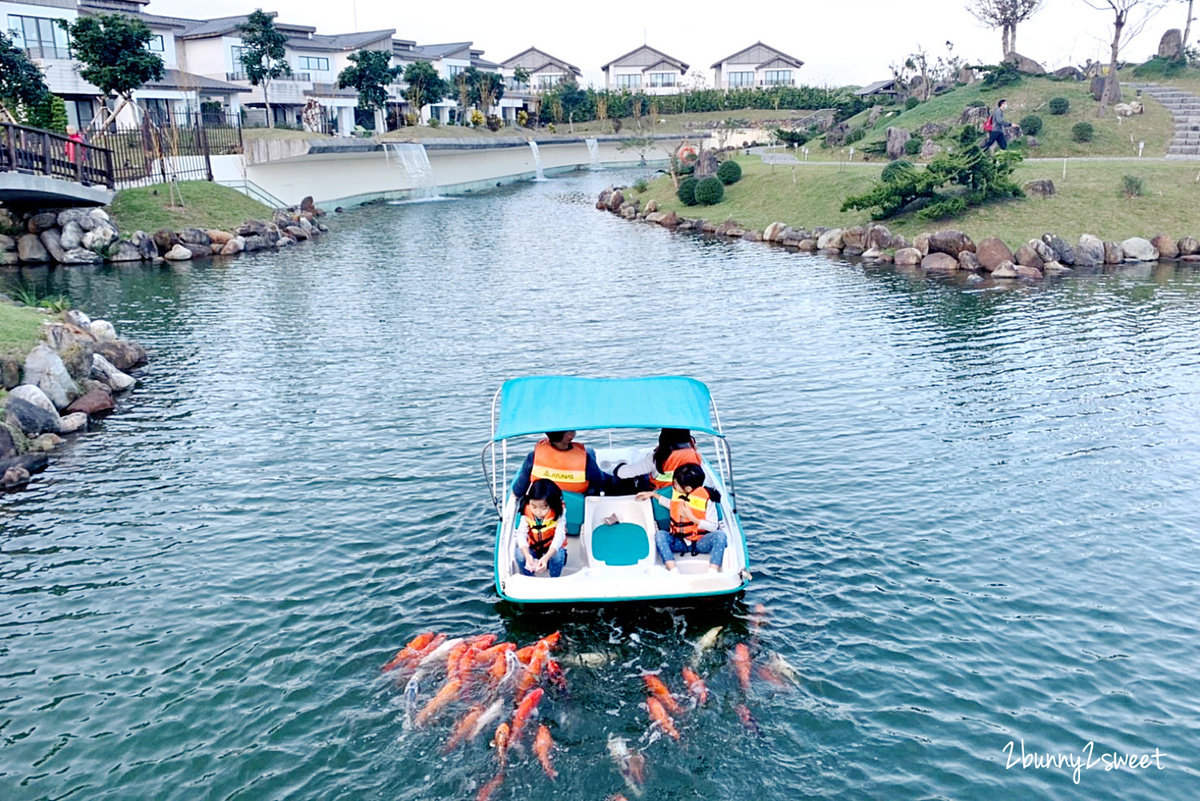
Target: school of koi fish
<point x="503" y="685"/>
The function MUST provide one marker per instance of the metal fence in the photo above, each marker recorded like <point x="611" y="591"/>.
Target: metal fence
<point x="170" y="146"/>
<point x="37" y="152"/>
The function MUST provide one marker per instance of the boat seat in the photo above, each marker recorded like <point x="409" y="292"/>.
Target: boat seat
<point x="627" y="543"/>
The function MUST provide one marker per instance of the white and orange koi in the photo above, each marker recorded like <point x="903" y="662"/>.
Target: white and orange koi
<point x="695" y="685"/>
<point x="448" y="693"/>
<point x="659" y="716"/>
<point x="543" y="744"/>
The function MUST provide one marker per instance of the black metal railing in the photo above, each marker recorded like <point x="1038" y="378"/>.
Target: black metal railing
<point x="48" y="51"/>
<point x="37" y="152"/>
<point x="171" y="146"/>
<point x="295" y="76"/>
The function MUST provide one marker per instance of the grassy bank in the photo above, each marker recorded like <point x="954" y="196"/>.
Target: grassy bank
<point x="19" y="329"/>
<point x="1088" y="200"/>
<point x="206" y="205"/>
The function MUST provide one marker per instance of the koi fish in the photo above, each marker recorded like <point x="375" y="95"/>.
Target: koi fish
<point x="758" y="618"/>
<point x="705" y="643"/>
<point x="489" y="655"/>
<point x="443" y="648"/>
<point x="501" y="741"/>
<point x="521" y="716"/>
<point x="542" y="746"/>
<point x="532" y="672"/>
<point x="765" y="673"/>
<point x="410" y="699"/>
<point x="464" y="728"/>
<point x="659" y="690"/>
<point x="526" y="653"/>
<point x="505" y="670"/>
<point x="452" y="658"/>
<point x="550" y="640"/>
<point x="488" y="716"/>
<point x="696" y="686"/>
<point x="489" y="789"/>
<point x="482" y="641"/>
<point x="741" y="664"/>
<point x="743" y="713"/>
<point x="588" y="660"/>
<point x="659" y="716"/>
<point x="554" y="672"/>
<point x="445" y="695"/>
<point x="409" y="651"/>
<point x="632" y="765"/>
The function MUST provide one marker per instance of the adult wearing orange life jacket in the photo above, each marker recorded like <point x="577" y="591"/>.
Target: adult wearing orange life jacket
<point x="567" y="463"/>
<point x="676" y="447"/>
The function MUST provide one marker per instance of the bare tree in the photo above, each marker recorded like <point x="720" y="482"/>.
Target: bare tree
<point x="1129" y="19"/>
<point x="1004" y="14"/>
<point x="1187" y="29"/>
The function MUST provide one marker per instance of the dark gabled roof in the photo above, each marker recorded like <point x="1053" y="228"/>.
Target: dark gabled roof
<point x="876" y="87"/>
<point x="662" y="62"/>
<point x="682" y="66"/>
<point x="152" y="20"/>
<point x="177" y="79"/>
<point x="550" y="60"/>
<point x="337" y="43"/>
<point x="443" y="50"/>
<point x="778" y="53"/>
<point x="208" y="28"/>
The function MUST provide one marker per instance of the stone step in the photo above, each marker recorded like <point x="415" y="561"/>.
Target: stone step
<point x="1187" y="138"/>
<point x="1184" y="150"/>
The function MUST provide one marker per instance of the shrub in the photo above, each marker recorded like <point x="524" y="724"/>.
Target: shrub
<point x="855" y="135"/>
<point x="792" y="138"/>
<point x="1132" y="186"/>
<point x="1003" y="75"/>
<point x="687" y="191"/>
<point x="709" y="191"/>
<point x="641" y="185"/>
<point x="911" y="103"/>
<point x="523" y="118"/>
<point x="1059" y="106"/>
<point x="494" y="123"/>
<point x="968" y="135"/>
<point x="895" y="171"/>
<point x="1031" y="125"/>
<point x="730" y="172"/>
<point x="913" y="146"/>
<point x="977" y="104"/>
<point x="434" y="122"/>
<point x="1082" y="132"/>
<point x="477" y="118"/>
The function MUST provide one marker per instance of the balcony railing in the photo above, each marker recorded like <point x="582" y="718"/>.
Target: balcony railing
<point x="48" y="51"/>
<point x="302" y="77"/>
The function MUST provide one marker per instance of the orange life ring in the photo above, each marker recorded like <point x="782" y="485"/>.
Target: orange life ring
<point x="686" y="153"/>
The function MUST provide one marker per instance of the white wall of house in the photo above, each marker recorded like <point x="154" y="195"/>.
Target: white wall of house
<point x="208" y="57"/>
<point x="165" y="38"/>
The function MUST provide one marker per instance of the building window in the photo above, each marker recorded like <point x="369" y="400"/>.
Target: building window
<point x="454" y="70"/>
<point x="549" y="81"/>
<point x="629" y="81"/>
<point x="39" y="36"/>
<point x="156" y="44"/>
<point x="311" y="63"/>
<point x="513" y="85"/>
<point x="738" y="79"/>
<point x="777" y="77"/>
<point x="662" y="78"/>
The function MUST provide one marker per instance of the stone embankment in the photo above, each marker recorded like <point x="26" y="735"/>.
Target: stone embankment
<point x="69" y="380"/>
<point x="945" y="251"/>
<point x="88" y="236"/>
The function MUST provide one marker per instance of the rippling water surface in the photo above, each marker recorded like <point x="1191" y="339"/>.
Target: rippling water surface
<point x="972" y="514"/>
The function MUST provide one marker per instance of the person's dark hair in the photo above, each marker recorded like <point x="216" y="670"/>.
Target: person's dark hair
<point x="1001" y="102"/>
<point x="670" y="439"/>
<point x="543" y="489"/>
<point x="689" y="475"/>
<point x="555" y="436"/>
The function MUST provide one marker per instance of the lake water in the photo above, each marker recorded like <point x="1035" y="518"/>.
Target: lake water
<point x="972" y="515"/>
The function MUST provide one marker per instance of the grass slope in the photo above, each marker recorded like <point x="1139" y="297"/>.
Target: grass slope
<point x="20" y="329"/>
<point x="206" y="205"/>
<point x="1089" y="200"/>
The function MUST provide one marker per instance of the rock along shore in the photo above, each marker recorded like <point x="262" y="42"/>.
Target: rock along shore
<point x="945" y="251"/>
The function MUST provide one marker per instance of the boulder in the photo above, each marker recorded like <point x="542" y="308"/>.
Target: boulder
<point x="307" y="205"/>
<point x="854" y="237"/>
<point x="10" y="372"/>
<point x="1040" y="188"/>
<point x="706" y="164"/>
<point x="908" y="257"/>
<point x="1090" y="252"/>
<point x="651" y="207"/>
<point x="45" y="443"/>
<point x="898" y="241"/>
<point x="749" y="236"/>
<point x="974" y="115"/>
<point x="992" y="252"/>
<point x="253" y="243"/>
<point x="1024" y="64"/>
<point x="31" y="393"/>
<point x="217" y="237"/>
<point x="65" y="337"/>
<point x="254" y="227"/>
<point x="1166" y="247"/>
<point x="808" y="245"/>
<point x="14" y="477"/>
<point x="72" y="236"/>
<point x="1028" y="257"/>
<point x="296" y="232"/>
<point x="950" y="242"/>
<point x="198" y="251"/>
<point x="968" y="261"/>
<point x="1055" y="268"/>
<point x="126" y="251"/>
<point x="145" y="244"/>
<point x="669" y="220"/>
<point x="615" y="200"/>
<point x="1171" y="44"/>
<point x="51" y="239"/>
<point x="1062" y="251"/>
<point x="42" y="222"/>
<point x="896" y="137"/>
<point x="29" y="462"/>
<point x="95" y="403"/>
<point x="122" y="354"/>
<point x="922" y="244"/>
<point x="830" y="240"/>
<point x="1005" y="270"/>
<point x="9" y="258"/>
<point x="873" y="254"/>
<point x="68" y="216"/>
<point x="1097" y="88"/>
<point x="1188" y="246"/>
<point x="179" y="252"/>
<point x="1068" y="74"/>
<point x="939" y="262"/>
<point x="165" y="240"/>
<point x="94" y="217"/>
<point x="929" y="150"/>
<point x="1113" y="253"/>
<point x="235" y="245"/>
<point x="627" y="210"/>
<point x="878" y="237"/>
<point x="72" y="423"/>
<point x="102" y="330"/>
<point x="30" y="249"/>
<point x="1029" y="272"/>
<point x="101" y="238"/>
<point x="81" y="256"/>
<point x="45" y="368"/>
<point x="78" y="319"/>
<point x="1137" y="249"/>
<point x="966" y="75"/>
<point x="1044" y="251"/>
<point x="8" y="446"/>
<point x="931" y="130"/>
<point x="653" y="217"/>
<point x="103" y="370"/>
<point x="31" y="420"/>
<point x="7" y="242"/>
<point x="775" y="232"/>
<point x="194" y="236"/>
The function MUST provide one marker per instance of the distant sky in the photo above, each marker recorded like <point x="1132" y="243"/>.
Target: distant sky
<point x="840" y="41"/>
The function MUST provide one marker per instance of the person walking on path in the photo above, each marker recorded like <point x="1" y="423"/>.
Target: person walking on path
<point x="995" y="128"/>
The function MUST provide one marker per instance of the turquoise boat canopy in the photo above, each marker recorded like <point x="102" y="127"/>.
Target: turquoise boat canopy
<point x="537" y="404"/>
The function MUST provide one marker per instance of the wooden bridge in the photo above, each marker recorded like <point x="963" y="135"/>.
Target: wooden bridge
<point x="45" y="168"/>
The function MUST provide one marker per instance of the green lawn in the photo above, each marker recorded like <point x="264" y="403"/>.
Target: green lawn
<point x="1089" y="200"/>
<point x="206" y="205"/>
<point x="19" y="329"/>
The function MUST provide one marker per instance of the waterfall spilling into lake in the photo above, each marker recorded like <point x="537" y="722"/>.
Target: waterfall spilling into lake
<point x="537" y="161"/>
<point x="594" y="152"/>
<point x="414" y="162"/>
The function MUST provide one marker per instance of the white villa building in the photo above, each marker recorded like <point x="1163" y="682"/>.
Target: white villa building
<point x="758" y="65"/>
<point x="545" y="72"/>
<point x="645" y="70"/>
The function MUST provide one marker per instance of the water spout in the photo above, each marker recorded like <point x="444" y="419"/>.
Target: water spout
<point x="413" y="161"/>
<point x="537" y="161"/>
<point x="594" y="152"/>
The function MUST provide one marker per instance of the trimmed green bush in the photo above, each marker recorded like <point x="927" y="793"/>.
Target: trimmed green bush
<point x="687" y="191"/>
<point x="1059" y="106"/>
<point x="855" y="135"/>
<point x="1031" y="125"/>
<point x="730" y="172"/>
<point x="913" y="146"/>
<point x="911" y="103"/>
<point x="895" y="171"/>
<point x="1132" y="186"/>
<point x="709" y="191"/>
<point x="1082" y="132"/>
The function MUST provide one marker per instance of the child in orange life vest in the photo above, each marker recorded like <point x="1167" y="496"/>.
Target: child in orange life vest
<point x="541" y="530"/>
<point x="694" y="527"/>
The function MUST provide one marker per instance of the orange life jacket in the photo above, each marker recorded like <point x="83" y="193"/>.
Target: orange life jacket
<point x="567" y="469"/>
<point x="681" y="526"/>
<point x="541" y="532"/>
<point x="677" y="459"/>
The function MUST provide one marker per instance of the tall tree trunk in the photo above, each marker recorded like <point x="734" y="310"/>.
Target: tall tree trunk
<point x="1111" y="83"/>
<point x="267" y="103"/>
<point x="1012" y="37"/>
<point x="1187" y="29"/>
<point x="1005" y="46"/>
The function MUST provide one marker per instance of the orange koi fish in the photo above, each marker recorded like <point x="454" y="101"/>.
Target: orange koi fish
<point x="659" y="690"/>
<point x="743" y="713"/>
<point x="489" y="789"/>
<point x="526" y="653"/>
<point x="521" y="716"/>
<point x="550" y="640"/>
<point x="488" y="655"/>
<point x="696" y="685"/>
<point x="452" y="658"/>
<point x="410" y="651"/>
<point x="445" y="695"/>
<point x="464" y="728"/>
<point x="501" y="741"/>
<point x="741" y="663"/>
<point x="542" y="746"/>
<point x="482" y="641"/>
<point x="532" y="672"/>
<point x="659" y="715"/>
<point x="554" y="672"/>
